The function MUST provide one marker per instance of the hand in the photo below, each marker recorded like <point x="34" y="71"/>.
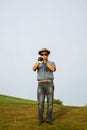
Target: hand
<point x="44" y="61"/>
<point x="40" y="62"/>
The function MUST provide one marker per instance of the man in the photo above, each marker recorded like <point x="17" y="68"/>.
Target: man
<point x="45" y="69"/>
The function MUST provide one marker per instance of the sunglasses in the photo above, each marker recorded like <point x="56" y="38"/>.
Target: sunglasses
<point x="44" y="54"/>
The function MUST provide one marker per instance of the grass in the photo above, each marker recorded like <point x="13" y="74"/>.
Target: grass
<point x="8" y="100"/>
<point x="20" y="114"/>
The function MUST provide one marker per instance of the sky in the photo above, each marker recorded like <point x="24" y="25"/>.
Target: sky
<point x="27" y="26"/>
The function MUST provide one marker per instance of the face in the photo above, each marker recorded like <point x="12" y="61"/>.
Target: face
<point x="44" y="55"/>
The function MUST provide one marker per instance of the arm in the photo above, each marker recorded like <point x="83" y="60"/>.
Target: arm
<point x="52" y="68"/>
<point x="35" y="66"/>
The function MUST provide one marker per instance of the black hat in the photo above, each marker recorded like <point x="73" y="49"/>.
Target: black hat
<point x="44" y="50"/>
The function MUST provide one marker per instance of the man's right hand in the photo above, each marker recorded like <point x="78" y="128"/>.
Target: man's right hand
<point x="40" y="62"/>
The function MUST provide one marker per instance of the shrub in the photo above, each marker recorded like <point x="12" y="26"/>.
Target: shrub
<point x="58" y="102"/>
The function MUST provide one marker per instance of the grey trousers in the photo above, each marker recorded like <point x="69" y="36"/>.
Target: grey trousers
<point x="45" y="89"/>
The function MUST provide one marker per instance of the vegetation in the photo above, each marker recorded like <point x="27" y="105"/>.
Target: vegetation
<point x="20" y="114"/>
<point x="57" y="102"/>
<point x="13" y="101"/>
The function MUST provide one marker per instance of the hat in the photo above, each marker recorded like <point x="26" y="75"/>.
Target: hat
<point x="44" y="50"/>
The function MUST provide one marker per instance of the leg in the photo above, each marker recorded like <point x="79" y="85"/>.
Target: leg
<point x="50" y="94"/>
<point x="40" y="97"/>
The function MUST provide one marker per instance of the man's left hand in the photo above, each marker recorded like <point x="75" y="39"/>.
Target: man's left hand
<point x="44" y="61"/>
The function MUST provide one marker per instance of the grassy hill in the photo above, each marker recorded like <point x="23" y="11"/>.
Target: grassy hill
<point x="8" y="100"/>
<point x="20" y="114"/>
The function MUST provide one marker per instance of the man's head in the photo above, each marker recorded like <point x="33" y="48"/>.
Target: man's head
<point x="44" y="53"/>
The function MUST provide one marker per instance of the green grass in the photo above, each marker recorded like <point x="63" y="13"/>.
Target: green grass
<point x="8" y="100"/>
<point x="20" y="114"/>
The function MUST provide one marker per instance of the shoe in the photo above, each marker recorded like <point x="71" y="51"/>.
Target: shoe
<point x="40" y="122"/>
<point x="49" y="122"/>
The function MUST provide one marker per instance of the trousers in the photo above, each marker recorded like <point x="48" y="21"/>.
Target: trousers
<point x="45" y="89"/>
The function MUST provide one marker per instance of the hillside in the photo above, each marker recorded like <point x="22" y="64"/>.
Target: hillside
<point x="21" y="114"/>
<point x="8" y="100"/>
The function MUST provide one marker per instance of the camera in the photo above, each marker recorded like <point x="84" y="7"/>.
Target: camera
<point x="40" y="59"/>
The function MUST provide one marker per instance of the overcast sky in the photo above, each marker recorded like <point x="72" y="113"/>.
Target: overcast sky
<point x="27" y="26"/>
